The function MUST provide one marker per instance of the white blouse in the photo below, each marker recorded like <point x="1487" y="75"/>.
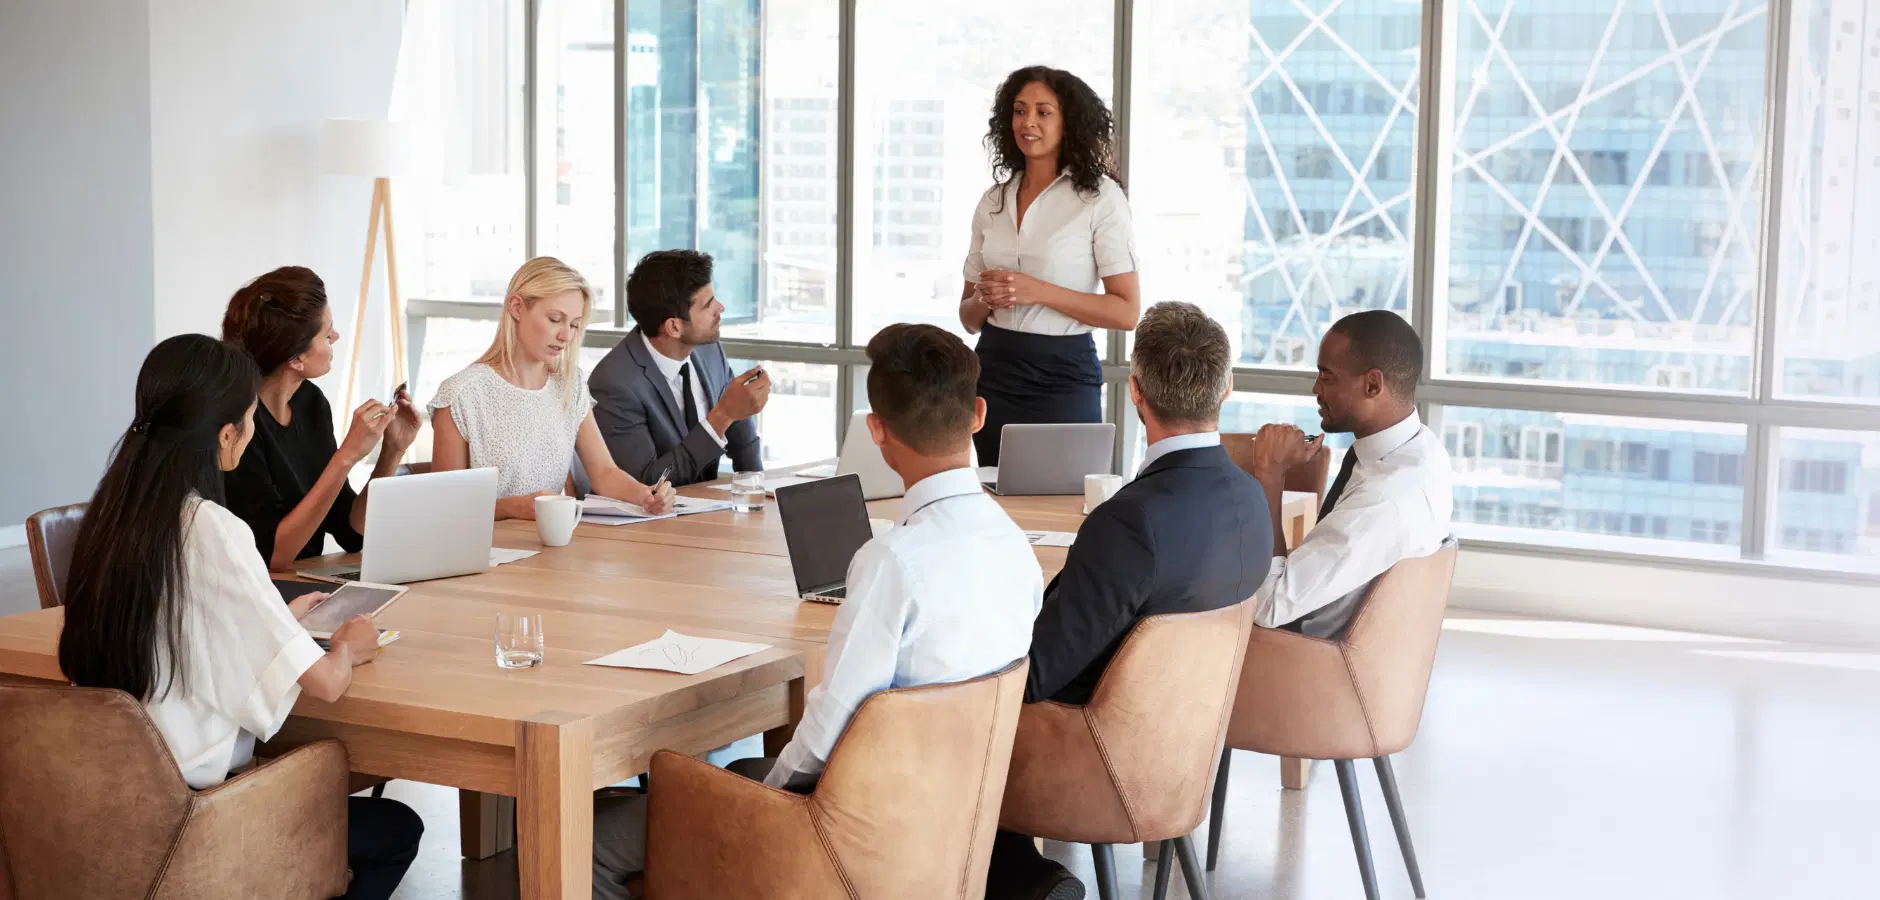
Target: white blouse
<point x="246" y="652"/>
<point x="1069" y="239"/>
<point x="527" y="436"/>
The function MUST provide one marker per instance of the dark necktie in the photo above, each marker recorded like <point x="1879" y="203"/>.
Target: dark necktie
<point x="1338" y="484"/>
<point x="685" y="392"/>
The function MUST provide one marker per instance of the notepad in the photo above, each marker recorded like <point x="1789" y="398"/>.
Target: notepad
<point x="681" y="653"/>
<point x="502" y="556"/>
<point x="600" y="510"/>
<point x="1050" y="538"/>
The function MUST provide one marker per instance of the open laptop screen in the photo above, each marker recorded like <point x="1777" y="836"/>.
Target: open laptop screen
<point x="824" y="523"/>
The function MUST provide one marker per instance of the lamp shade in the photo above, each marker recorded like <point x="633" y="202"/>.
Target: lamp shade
<point x="375" y="148"/>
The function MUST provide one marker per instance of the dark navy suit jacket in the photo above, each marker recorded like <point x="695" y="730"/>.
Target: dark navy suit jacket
<point x="644" y="426"/>
<point x="1190" y="534"/>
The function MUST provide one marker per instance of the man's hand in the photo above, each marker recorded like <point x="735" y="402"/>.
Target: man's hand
<point x="1278" y="449"/>
<point x="744" y="397"/>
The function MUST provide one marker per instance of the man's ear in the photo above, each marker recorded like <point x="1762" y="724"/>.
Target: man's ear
<point x="1374" y="383"/>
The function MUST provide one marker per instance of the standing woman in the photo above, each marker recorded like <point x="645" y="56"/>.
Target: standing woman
<point x="169" y="602"/>
<point x="1052" y="256"/>
<point x="524" y="407"/>
<point x="291" y="486"/>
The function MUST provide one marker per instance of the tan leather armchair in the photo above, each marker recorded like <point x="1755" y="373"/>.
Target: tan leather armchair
<point x="50" y="535"/>
<point x="1359" y="697"/>
<point x="1133" y="765"/>
<point x="907" y="806"/>
<point x="93" y="805"/>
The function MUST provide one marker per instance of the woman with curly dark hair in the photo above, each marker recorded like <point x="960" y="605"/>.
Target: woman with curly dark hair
<point x="1052" y="257"/>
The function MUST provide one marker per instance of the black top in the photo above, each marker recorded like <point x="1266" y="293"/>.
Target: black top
<point x="1190" y="534"/>
<point x="279" y="468"/>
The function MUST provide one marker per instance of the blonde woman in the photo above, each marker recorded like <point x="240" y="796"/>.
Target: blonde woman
<point x="524" y="407"/>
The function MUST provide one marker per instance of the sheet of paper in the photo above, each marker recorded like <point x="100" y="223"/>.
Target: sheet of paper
<point x="502" y="556"/>
<point x="1050" y="538"/>
<point x="772" y="483"/>
<point x="601" y="510"/>
<point x="681" y="653"/>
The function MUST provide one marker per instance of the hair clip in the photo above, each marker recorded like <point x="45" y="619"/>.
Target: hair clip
<point x="142" y="426"/>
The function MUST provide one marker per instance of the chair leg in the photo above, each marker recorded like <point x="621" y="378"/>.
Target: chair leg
<point x="1218" y="812"/>
<point x="378" y="790"/>
<point x="1354" y="813"/>
<point x="1388" y="780"/>
<point x="1164" y="864"/>
<point x="1191" y="868"/>
<point x="1106" y="871"/>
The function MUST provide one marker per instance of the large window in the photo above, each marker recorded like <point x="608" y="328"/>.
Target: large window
<point x="1272" y="158"/>
<point x="1828" y="305"/>
<point x="925" y="78"/>
<point x="1636" y="236"/>
<point x="1603" y="221"/>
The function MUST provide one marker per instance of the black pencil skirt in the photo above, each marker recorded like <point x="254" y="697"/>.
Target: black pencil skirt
<point x="1029" y="379"/>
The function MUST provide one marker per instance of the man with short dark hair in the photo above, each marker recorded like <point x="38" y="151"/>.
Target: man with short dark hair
<point x="1190" y="534"/>
<point x="1391" y="500"/>
<point x="947" y="595"/>
<point x="664" y="397"/>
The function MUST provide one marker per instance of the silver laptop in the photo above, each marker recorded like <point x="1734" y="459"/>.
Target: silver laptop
<point x="824" y="523"/>
<point x="424" y="526"/>
<point x="861" y="458"/>
<point x="1036" y="460"/>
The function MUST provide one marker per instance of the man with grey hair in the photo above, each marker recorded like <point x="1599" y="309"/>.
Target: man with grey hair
<point x="1191" y="533"/>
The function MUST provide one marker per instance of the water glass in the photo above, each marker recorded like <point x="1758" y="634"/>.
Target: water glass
<point x="519" y="642"/>
<point x="747" y="491"/>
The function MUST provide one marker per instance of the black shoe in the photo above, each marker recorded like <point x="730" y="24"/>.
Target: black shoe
<point x="1059" y="884"/>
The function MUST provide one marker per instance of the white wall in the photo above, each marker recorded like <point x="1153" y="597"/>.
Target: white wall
<point x="238" y="93"/>
<point x="75" y="242"/>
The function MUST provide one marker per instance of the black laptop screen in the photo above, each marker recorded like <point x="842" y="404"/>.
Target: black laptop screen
<point x="824" y="523"/>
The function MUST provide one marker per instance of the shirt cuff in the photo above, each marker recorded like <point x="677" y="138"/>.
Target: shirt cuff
<point x="713" y="432"/>
<point x="278" y="688"/>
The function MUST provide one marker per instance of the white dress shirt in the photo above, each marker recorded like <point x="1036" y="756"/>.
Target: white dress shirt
<point x="669" y="368"/>
<point x="245" y="652"/>
<point x="1068" y="238"/>
<point x="947" y="595"/>
<point x="1167" y="445"/>
<point x="1396" y="506"/>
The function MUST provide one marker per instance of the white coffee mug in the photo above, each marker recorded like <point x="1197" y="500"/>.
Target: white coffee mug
<point x="555" y="519"/>
<point x="1098" y="488"/>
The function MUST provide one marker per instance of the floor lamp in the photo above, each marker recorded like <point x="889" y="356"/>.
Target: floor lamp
<point x="379" y="150"/>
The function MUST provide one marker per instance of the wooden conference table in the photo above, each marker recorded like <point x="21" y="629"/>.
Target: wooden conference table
<point x="435" y="708"/>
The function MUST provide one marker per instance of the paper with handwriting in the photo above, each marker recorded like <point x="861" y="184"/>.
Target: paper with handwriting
<point x="681" y="653"/>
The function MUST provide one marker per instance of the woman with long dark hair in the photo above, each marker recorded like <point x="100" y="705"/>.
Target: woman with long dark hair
<point x="1052" y="257"/>
<point x="169" y="602"/>
<point x="291" y="486"/>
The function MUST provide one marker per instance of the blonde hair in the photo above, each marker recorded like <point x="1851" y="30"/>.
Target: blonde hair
<point x="539" y="278"/>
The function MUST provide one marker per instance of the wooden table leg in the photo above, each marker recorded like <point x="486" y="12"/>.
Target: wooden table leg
<point x="487" y="823"/>
<point x="555" y="806"/>
<point x="1294" y="773"/>
<point x="777" y="738"/>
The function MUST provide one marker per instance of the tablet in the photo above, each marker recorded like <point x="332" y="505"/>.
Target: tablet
<point x="351" y="599"/>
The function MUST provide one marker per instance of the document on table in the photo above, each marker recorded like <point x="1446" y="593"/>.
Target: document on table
<point x="773" y="482"/>
<point x="681" y="653"/>
<point x="1050" y="538"/>
<point x="601" y="510"/>
<point x="502" y="556"/>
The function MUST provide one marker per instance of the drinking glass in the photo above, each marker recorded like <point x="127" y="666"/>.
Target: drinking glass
<point x="519" y="642"/>
<point x="747" y="491"/>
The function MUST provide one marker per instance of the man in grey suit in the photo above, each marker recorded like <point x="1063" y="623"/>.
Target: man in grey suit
<point x="664" y="397"/>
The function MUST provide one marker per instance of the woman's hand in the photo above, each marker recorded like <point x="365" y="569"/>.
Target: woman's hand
<point x="402" y="426"/>
<point x="360" y="638"/>
<point x="1002" y="288"/>
<point x="521" y="506"/>
<point x="302" y="605"/>
<point x="369" y="422"/>
<point x="659" y="499"/>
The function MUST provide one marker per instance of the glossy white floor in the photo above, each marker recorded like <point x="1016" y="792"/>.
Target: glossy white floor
<point x="1557" y="760"/>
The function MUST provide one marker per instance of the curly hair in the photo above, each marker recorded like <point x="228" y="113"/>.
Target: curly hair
<point x="1088" y="151"/>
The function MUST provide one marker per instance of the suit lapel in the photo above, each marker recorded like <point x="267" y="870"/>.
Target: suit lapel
<point x="655" y="380"/>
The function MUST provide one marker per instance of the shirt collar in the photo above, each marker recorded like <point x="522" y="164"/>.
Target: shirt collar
<point x="1011" y="191"/>
<point x="1192" y="441"/>
<point x="668" y="366"/>
<point x="936" y="487"/>
<point x="1377" y="446"/>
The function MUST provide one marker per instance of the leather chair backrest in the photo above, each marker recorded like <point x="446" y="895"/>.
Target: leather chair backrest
<point x="909" y="800"/>
<point x="1310" y="477"/>
<point x="50" y="535"/>
<point x="91" y="802"/>
<point x="1390" y="647"/>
